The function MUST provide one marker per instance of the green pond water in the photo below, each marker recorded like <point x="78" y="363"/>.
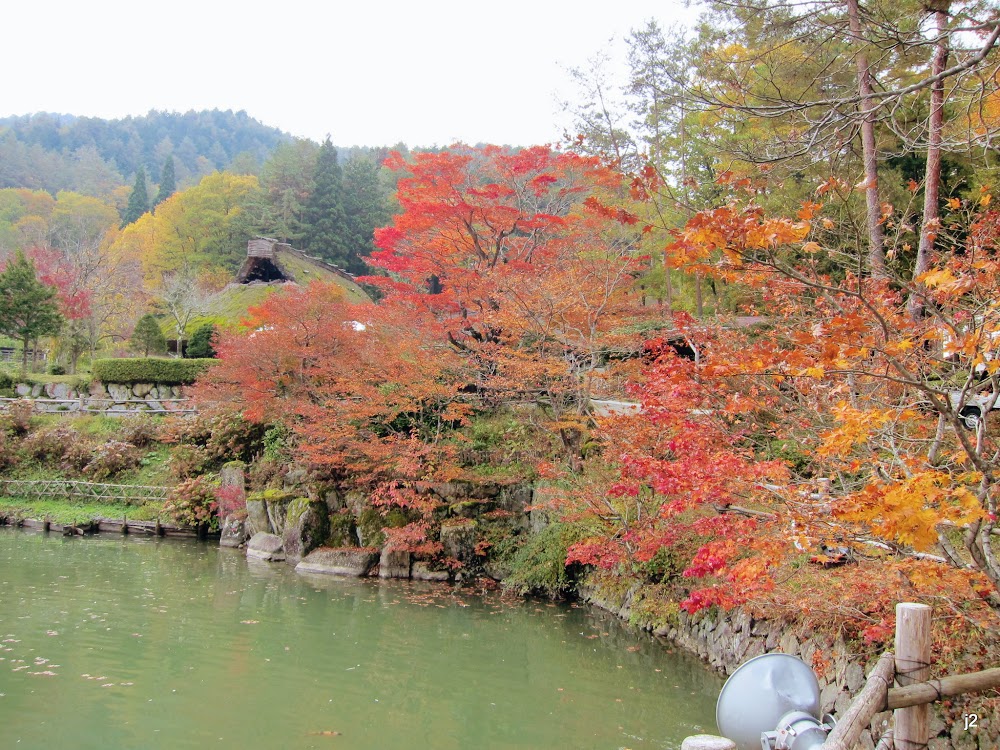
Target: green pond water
<point x="120" y="643"/>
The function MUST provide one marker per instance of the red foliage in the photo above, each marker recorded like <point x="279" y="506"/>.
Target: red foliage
<point x="55" y="269"/>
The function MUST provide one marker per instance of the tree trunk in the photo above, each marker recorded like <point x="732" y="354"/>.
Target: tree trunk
<point x="876" y="237"/>
<point x="932" y="174"/>
<point x="24" y="356"/>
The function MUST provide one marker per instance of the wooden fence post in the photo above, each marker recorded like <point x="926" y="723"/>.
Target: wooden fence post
<point x="913" y="664"/>
<point x="868" y="702"/>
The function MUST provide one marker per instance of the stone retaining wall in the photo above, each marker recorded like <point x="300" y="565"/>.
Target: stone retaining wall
<point x="728" y="639"/>
<point x="114" y="398"/>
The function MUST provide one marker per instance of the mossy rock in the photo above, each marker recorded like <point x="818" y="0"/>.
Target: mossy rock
<point x="458" y="537"/>
<point x="372" y="521"/>
<point x="257" y="515"/>
<point x="275" y="503"/>
<point x="274" y="495"/>
<point x="307" y="526"/>
<point x="343" y="531"/>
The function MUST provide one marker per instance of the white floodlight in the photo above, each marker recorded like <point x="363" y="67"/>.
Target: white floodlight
<point x="772" y="702"/>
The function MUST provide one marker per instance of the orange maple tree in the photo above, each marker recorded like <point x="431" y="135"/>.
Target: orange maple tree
<point x="840" y="427"/>
<point x="365" y="389"/>
<point x="525" y="260"/>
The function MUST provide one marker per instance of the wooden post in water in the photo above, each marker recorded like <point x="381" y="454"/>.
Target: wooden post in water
<point x="913" y="664"/>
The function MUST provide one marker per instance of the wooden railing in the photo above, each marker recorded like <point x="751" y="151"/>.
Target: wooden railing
<point x="909" y="667"/>
<point x="64" y="489"/>
<point x="84" y="406"/>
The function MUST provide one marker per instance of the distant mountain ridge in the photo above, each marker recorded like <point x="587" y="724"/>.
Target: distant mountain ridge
<point x="90" y="155"/>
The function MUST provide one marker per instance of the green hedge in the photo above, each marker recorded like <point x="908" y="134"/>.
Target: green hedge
<point x="150" y="370"/>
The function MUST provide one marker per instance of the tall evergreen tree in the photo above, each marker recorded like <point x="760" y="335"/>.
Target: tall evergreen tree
<point x="28" y="308"/>
<point x="168" y="182"/>
<point x="138" y="199"/>
<point x="366" y="208"/>
<point x="325" y="222"/>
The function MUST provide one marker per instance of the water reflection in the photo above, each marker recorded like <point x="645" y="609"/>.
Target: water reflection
<point x="156" y="644"/>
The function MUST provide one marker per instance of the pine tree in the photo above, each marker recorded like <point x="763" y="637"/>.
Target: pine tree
<point x="168" y="182"/>
<point x="28" y="308"/>
<point x="325" y="223"/>
<point x="200" y="343"/>
<point x="138" y="199"/>
<point x="366" y="209"/>
<point x="148" y="336"/>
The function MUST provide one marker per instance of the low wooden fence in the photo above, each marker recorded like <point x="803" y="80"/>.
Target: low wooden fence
<point x="64" y="489"/>
<point x="93" y="406"/>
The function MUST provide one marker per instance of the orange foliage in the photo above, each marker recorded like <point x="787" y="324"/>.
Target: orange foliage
<point x="836" y="429"/>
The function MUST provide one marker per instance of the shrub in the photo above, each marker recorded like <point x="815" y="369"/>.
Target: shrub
<point x="224" y="435"/>
<point x="199" y="346"/>
<point x="50" y="445"/>
<point x="150" y="370"/>
<point x="193" y="503"/>
<point x="55" y="369"/>
<point x="539" y="566"/>
<point x="112" y="458"/>
<point x="18" y="417"/>
<point x="267" y="472"/>
<point x="8" y="455"/>
<point x="187" y="460"/>
<point x="231" y="501"/>
<point x="233" y="437"/>
<point x="76" y="456"/>
<point x="277" y="443"/>
<point x="140" y="430"/>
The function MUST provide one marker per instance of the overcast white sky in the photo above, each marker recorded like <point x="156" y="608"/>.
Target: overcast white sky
<point x="424" y="73"/>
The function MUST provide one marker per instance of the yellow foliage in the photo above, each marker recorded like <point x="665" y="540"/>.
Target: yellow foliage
<point x="909" y="511"/>
<point x="855" y="428"/>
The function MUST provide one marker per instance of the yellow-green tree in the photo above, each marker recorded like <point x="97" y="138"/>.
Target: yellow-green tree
<point x="204" y="228"/>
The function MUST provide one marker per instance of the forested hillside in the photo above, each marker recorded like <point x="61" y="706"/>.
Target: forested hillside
<point x="168" y="239"/>
<point x="92" y="156"/>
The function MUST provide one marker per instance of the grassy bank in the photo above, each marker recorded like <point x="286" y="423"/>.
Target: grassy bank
<point x="69" y="511"/>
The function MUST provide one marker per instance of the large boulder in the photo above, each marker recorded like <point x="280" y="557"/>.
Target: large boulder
<point x="394" y="564"/>
<point x="234" y="532"/>
<point x="459" y="539"/>
<point x="422" y="571"/>
<point x="275" y="504"/>
<point x="61" y="390"/>
<point x="355" y="561"/>
<point x="257" y="519"/>
<point x="307" y="526"/>
<point x="119" y="392"/>
<point x="267" y="547"/>
<point x="141" y="390"/>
